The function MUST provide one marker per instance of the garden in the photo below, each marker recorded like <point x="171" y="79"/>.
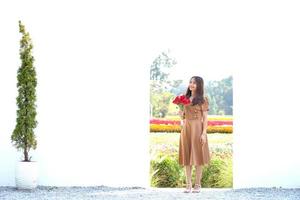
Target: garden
<point x="164" y="140"/>
<point x="165" y="128"/>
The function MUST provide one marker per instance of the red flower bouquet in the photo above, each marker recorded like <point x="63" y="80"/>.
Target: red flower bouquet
<point x="181" y="101"/>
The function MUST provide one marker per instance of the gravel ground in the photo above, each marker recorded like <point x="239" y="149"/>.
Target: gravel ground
<point x="136" y="193"/>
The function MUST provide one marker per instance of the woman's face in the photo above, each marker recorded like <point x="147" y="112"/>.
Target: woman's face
<point x="192" y="85"/>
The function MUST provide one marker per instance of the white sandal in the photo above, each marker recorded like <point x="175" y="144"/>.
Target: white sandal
<point x="196" y="188"/>
<point x="188" y="188"/>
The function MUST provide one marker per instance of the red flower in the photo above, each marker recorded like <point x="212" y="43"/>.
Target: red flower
<point x="181" y="100"/>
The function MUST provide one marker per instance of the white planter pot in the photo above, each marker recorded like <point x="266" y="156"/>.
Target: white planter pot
<point x="26" y="175"/>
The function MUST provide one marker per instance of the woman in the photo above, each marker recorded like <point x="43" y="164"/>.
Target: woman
<point x="193" y="145"/>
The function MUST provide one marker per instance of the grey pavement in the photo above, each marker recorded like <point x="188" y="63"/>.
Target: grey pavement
<point x="136" y="193"/>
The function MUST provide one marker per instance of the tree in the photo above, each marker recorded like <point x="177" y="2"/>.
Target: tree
<point x="160" y="103"/>
<point x="160" y="66"/>
<point x="160" y="85"/>
<point x="23" y="137"/>
<point x="177" y="87"/>
<point x="220" y="96"/>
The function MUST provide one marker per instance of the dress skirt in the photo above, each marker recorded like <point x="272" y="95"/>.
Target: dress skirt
<point x="191" y="150"/>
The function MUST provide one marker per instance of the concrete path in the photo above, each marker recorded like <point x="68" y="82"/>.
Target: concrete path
<point x="108" y="193"/>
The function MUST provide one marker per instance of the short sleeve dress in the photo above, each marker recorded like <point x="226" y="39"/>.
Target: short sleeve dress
<point x="191" y="151"/>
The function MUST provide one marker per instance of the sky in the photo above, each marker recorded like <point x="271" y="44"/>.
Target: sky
<point x="189" y="65"/>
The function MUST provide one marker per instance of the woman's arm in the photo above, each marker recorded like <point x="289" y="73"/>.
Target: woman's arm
<point x="205" y="110"/>
<point x="182" y="116"/>
<point x="205" y="122"/>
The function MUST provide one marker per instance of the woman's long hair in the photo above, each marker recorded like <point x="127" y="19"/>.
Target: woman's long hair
<point x="199" y="98"/>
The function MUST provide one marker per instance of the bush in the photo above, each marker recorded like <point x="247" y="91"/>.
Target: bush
<point x="166" y="172"/>
<point x="23" y="136"/>
<point x="218" y="174"/>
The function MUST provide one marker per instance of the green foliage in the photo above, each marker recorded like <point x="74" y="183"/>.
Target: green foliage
<point x="212" y="174"/>
<point x="162" y="89"/>
<point x="220" y="96"/>
<point x="160" y="85"/>
<point x="164" y="150"/>
<point x="160" y="102"/>
<point x="23" y="137"/>
<point x="159" y="67"/>
<point x="166" y="172"/>
<point x="177" y="88"/>
<point x="172" y="109"/>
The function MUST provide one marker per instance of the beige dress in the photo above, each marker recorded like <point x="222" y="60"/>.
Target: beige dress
<point x="191" y="151"/>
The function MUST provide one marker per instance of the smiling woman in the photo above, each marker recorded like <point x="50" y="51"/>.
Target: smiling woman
<point x="193" y="147"/>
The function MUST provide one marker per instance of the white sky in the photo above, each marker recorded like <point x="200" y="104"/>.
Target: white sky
<point x="191" y="64"/>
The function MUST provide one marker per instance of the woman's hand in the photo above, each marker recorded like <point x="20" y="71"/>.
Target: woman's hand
<point x="203" y="138"/>
<point x="205" y="122"/>
<point x="181" y="114"/>
<point x="182" y="122"/>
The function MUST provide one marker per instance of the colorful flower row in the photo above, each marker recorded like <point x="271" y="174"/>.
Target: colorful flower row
<point x="165" y="128"/>
<point x="177" y="128"/>
<point x="210" y="118"/>
<point x="177" y="122"/>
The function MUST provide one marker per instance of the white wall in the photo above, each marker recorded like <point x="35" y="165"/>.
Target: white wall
<point x="88" y="55"/>
<point x="93" y="121"/>
<point x="266" y="85"/>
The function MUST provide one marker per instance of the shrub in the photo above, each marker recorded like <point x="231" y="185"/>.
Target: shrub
<point x="218" y="174"/>
<point x="166" y="172"/>
<point x="23" y="137"/>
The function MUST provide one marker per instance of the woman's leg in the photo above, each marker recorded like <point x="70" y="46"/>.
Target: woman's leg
<point x="188" y="174"/>
<point x="198" y="178"/>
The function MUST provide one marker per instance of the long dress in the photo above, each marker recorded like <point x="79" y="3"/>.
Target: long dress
<point x="191" y="151"/>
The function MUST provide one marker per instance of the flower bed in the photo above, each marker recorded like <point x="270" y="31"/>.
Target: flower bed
<point x="210" y="117"/>
<point x="177" y="122"/>
<point x="177" y="128"/>
<point x="215" y="125"/>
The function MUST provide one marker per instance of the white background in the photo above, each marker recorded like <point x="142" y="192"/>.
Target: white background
<point x="92" y="63"/>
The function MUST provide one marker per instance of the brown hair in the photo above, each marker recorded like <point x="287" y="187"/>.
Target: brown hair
<point x="199" y="98"/>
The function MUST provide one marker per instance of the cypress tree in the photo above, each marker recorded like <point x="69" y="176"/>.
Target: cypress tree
<point x="23" y="137"/>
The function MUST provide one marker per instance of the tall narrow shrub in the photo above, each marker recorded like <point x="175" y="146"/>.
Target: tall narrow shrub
<point x="23" y="137"/>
